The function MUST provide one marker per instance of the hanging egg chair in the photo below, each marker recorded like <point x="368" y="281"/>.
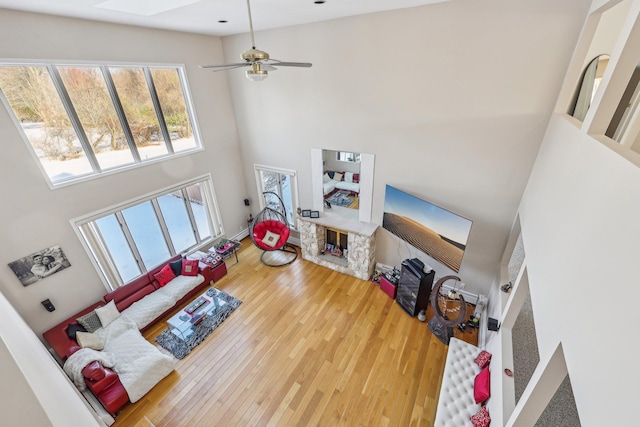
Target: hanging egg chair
<point x="270" y="230"/>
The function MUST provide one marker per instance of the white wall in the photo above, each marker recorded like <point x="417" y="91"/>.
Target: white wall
<point x="579" y="223"/>
<point x="35" y="217"/>
<point x="452" y="99"/>
<point x="35" y="391"/>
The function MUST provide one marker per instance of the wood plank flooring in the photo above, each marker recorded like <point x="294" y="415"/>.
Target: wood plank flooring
<point x="307" y="347"/>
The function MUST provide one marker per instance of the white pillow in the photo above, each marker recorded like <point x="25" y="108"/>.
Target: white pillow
<point x="107" y="313"/>
<point x="89" y="340"/>
<point x="326" y="178"/>
<point x="348" y="177"/>
<point x="270" y="239"/>
<point x="337" y="176"/>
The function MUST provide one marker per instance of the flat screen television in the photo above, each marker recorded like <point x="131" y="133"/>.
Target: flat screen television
<point x="439" y="233"/>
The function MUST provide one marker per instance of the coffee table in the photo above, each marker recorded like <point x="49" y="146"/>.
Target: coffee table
<point x="225" y="248"/>
<point x="183" y="323"/>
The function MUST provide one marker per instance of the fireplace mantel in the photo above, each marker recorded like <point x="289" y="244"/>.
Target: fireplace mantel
<point x="348" y="225"/>
<point x="361" y="242"/>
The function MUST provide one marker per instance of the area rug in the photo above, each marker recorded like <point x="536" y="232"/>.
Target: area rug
<point x="340" y="198"/>
<point x="180" y="348"/>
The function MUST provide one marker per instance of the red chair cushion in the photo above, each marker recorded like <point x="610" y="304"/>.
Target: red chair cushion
<point x="277" y="227"/>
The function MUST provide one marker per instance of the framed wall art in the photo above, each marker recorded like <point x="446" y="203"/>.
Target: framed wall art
<point x="39" y="265"/>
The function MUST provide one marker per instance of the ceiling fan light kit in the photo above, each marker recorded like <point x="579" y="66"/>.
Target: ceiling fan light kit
<point x="256" y="74"/>
<point x="257" y="59"/>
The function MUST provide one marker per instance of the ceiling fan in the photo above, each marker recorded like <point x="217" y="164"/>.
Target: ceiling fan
<point x="258" y="60"/>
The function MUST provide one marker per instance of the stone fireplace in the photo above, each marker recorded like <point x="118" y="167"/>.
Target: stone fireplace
<point x="325" y="240"/>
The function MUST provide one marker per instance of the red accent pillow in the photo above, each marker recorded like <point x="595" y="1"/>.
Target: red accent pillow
<point x="482" y="386"/>
<point x="481" y="418"/>
<point x="189" y="267"/>
<point x="483" y="359"/>
<point x="356" y="178"/>
<point x="165" y="275"/>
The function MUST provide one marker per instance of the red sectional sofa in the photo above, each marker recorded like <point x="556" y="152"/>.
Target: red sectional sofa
<point x="103" y="382"/>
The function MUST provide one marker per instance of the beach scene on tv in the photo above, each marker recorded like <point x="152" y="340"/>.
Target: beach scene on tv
<point x="439" y="233"/>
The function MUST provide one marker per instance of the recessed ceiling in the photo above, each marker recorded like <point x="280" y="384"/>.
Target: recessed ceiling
<point x="203" y="16"/>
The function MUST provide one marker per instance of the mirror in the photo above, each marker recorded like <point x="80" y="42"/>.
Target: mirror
<point x="588" y="86"/>
<point x="343" y="180"/>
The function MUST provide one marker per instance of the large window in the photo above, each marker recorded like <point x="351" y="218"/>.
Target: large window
<point x="284" y="183"/>
<point x="83" y="120"/>
<point x="128" y="240"/>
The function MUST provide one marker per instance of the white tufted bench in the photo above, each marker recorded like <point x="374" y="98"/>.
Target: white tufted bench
<point x="456" y="403"/>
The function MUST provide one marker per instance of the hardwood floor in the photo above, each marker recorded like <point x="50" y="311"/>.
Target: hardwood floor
<point x="308" y="346"/>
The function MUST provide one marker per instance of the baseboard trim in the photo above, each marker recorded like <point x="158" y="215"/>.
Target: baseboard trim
<point x="241" y="235"/>
<point x="468" y="296"/>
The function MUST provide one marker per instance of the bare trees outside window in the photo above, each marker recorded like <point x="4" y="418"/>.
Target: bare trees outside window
<point x="88" y="119"/>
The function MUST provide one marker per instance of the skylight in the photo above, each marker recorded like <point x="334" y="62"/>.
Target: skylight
<point x="144" y="7"/>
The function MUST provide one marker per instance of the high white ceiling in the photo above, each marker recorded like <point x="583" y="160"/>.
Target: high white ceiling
<point x="202" y="16"/>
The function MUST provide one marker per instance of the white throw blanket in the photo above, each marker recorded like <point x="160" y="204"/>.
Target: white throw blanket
<point x="139" y="364"/>
<point x="81" y="358"/>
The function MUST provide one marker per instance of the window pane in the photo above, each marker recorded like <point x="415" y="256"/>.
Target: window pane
<point x="200" y="211"/>
<point x="37" y="106"/>
<point x="287" y="199"/>
<point x="270" y="183"/>
<point x="177" y="220"/>
<point x="88" y="92"/>
<point x="138" y="108"/>
<point x="174" y="109"/>
<point x="118" y="248"/>
<point x="147" y="234"/>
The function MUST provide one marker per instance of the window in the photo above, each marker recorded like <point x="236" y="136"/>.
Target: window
<point x="624" y="126"/>
<point x="128" y="240"/>
<point x="591" y="78"/>
<point x="81" y="121"/>
<point x="282" y="182"/>
<point x="345" y="156"/>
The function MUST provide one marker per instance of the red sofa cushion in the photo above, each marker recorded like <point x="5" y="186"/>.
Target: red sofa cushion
<point x="94" y="371"/>
<point x="114" y="397"/>
<point x="123" y="292"/>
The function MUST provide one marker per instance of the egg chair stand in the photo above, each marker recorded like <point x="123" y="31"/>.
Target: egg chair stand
<point x="270" y="230"/>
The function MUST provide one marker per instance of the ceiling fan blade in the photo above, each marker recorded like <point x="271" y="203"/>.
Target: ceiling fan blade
<point x="227" y="66"/>
<point x="257" y="59"/>
<point x="277" y="63"/>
